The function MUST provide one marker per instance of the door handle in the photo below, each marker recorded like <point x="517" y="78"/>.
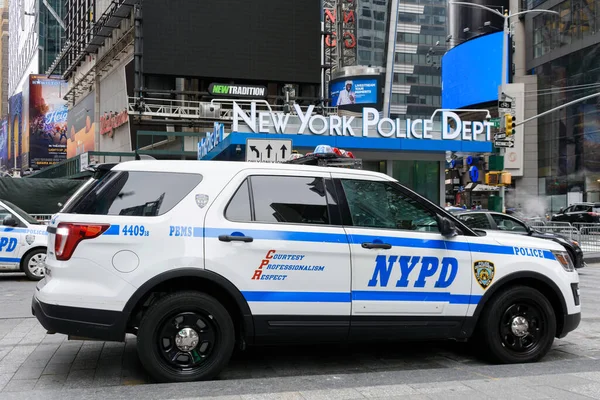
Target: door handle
<point x="385" y="246"/>
<point x="231" y="238"/>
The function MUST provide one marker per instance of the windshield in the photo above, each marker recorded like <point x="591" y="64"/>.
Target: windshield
<point x="28" y="218"/>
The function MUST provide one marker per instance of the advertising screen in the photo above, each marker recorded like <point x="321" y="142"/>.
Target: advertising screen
<point x="81" y="127"/>
<point x="354" y="91"/>
<point x="471" y="72"/>
<point x="269" y="40"/>
<point x="4" y="143"/>
<point x="15" y="122"/>
<point x="45" y="121"/>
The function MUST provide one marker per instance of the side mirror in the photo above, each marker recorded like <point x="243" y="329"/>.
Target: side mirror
<point x="447" y="227"/>
<point x="562" y="209"/>
<point x="9" y="220"/>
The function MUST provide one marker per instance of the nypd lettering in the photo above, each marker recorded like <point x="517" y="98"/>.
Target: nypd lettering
<point x="524" y="251"/>
<point x="8" y="244"/>
<point x="414" y="271"/>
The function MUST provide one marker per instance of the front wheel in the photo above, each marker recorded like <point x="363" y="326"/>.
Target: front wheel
<point x="518" y="326"/>
<point x="34" y="264"/>
<point x="186" y="336"/>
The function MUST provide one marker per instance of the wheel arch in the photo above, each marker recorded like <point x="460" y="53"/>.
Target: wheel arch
<point x="525" y="278"/>
<point x="27" y="253"/>
<point x="202" y="280"/>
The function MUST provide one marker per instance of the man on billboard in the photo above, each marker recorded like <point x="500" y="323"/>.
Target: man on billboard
<point x="347" y="96"/>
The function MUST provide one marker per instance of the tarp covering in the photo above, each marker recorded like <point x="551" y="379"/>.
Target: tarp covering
<point x="38" y="196"/>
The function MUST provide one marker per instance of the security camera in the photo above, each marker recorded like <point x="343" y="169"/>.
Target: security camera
<point x="488" y="116"/>
<point x="238" y="150"/>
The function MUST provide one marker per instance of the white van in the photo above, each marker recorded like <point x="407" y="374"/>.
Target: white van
<point x="197" y="257"/>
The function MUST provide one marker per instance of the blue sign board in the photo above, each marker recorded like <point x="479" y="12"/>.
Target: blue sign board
<point x="354" y="91"/>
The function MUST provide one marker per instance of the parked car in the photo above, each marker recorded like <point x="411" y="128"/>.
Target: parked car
<point x="579" y="212"/>
<point x="22" y="242"/>
<point x="492" y="220"/>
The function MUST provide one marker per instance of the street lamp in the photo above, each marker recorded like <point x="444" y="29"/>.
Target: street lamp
<point x="504" y="79"/>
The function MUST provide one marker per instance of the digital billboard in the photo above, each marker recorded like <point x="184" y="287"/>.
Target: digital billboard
<point x="15" y="122"/>
<point x="44" y="122"/>
<point x="268" y="40"/>
<point x="354" y="91"/>
<point x="471" y="72"/>
<point x="4" y="142"/>
<point x="81" y="127"/>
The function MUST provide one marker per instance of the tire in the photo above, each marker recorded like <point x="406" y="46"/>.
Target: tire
<point x="213" y="333"/>
<point x="500" y="339"/>
<point x="33" y="266"/>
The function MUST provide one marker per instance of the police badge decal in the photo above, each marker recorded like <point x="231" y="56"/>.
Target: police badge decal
<point x="484" y="273"/>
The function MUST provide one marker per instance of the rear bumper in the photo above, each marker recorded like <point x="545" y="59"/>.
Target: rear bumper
<point x="571" y="322"/>
<point x="83" y="322"/>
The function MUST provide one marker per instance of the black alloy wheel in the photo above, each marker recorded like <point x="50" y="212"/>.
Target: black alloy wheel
<point x="518" y="325"/>
<point x="186" y="336"/>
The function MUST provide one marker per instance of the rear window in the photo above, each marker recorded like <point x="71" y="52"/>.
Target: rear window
<point x="134" y="193"/>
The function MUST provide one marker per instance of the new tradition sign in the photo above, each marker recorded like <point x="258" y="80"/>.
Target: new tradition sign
<point x="452" y="127"/>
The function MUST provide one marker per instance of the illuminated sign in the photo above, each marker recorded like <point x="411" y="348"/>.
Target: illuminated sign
<point x="452" y="127"/>
<point x="222" y="89"/>
<point x="111" y="121"/>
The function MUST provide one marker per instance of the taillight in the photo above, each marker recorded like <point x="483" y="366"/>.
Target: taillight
<point x="69" y="235"/>
<point x="593" y="214"/>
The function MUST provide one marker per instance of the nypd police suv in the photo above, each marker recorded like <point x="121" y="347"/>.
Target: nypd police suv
<point x="22" y="242"/>
<point x="196" y="258"/>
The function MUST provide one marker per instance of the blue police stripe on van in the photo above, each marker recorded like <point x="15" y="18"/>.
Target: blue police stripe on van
<point x="113" y="230"/>
<point x="344" y="297"/>
<point x="394" y="241"/>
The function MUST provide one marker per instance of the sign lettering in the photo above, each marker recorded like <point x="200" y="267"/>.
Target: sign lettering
<point x="453" y="128"/>
<point x="414" y="271"/>
<point x="111" y="121"/>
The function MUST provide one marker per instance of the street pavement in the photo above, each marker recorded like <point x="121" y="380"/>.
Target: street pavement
<point x="36" y="365"/>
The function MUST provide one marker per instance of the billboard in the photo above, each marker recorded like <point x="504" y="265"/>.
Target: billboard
<point x="4" y="143"/>
<point x="44" y="122"/>
<point x="355" y="92"/>
<point x="267" y="40"/>
<point x="81" y="127"/>
<point x="471" y="72"/>
<point x="15" y="122"/>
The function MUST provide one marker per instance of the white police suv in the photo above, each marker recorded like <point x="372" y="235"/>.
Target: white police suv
<point x="22" y="242"/>
<point x="196" y="257"/>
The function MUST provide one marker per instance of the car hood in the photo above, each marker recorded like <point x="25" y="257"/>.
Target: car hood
<point x="514" y="240"/>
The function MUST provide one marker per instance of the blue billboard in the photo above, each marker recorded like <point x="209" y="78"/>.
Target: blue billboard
<point x="348" y="92"/>
<point x="471" y="72"/>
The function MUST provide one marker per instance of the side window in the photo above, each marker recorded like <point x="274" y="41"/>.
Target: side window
<point x="134" y="193"/>
<point x="508" y="224"/>
<point x="381" y="205"/>
<point x="475" y="221"/>
<point x="239" y="206"/>
<point x="5" y="213"/>
<point x="285" y="199"/>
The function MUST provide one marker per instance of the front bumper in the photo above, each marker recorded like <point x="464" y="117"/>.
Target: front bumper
<point x="570" y="323"/>
<point x="82" y="322"/>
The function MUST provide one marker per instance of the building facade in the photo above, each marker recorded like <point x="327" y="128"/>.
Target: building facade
<point x="563" y="53"/>
<point x="4" y="58"/>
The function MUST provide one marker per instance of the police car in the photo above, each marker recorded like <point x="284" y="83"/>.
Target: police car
<point x="198" y="258"/>
<point x="22" y="242"/>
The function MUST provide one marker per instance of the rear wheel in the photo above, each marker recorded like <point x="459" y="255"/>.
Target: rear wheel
<point x="518" y="326"/>
<point x="34" y="264"/>
<point x="186" y="336"/>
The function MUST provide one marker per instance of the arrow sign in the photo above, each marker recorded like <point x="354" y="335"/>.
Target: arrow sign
<point x="268" y="150"/>
<point x="504" y="143"/>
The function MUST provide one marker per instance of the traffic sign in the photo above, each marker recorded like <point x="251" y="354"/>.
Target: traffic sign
<point x="496" y="122"/>
<point x="504" y="143"/>
<point x="505" y="104"/>
<point x="501" y="135"/>
<point x="268" y="150"/>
